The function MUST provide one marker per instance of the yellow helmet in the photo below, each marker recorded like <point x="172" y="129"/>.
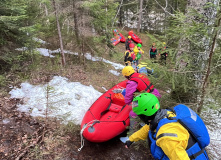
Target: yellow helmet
<point x="128" y="70"/>
<point x="164" y="43"/>
<point x="129" y="36"/>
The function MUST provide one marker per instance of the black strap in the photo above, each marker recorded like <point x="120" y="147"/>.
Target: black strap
<point x="171" y="109"/>
<point x="123" y="108"/>
<point x="166" y="134"/>
<point x="91" y="113"/>
<point x="148" y="87"/>
<point x="191" y="141"/>
<point x="116" y="121"/>
<point x="152" y="133"/>
<point x="194" y="156"/>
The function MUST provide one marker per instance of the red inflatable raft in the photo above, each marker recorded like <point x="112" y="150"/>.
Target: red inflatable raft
<point x="118" y="37"/>
<point x="115" y="40"/>
<point x="107" y="117"/>
<point x="117" y="33"/>
<point x="134" y="37"/>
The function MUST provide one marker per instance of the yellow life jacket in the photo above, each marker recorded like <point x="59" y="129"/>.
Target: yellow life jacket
<point x="126" y="53"/>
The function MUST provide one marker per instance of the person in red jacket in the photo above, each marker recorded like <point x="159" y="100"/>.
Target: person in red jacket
<point x="137" y="82"/>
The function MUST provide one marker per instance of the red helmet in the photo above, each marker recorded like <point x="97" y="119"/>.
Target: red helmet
<point x="131" y="45"/>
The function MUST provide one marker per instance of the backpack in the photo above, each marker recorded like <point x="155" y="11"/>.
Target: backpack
<point x="192" y="122"/>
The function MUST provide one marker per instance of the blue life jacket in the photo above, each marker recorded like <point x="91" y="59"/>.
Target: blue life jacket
<point x="193" y="123"/>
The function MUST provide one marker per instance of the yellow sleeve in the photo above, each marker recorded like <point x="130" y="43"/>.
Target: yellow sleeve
<point x="142" y="51"/>
<point x="136" y="50"/>
<point x="140" y="134"/>
<point x="174" y="146"/>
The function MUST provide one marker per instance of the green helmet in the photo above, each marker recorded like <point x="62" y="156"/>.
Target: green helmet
<point x="139" y="45"/>
<point x="145" y="104"/>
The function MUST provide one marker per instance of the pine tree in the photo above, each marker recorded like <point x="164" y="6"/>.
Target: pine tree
<point x="196" y="32"/>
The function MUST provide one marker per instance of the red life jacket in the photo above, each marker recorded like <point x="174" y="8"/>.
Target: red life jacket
<point x="143" y="83"/>
<point x="133" y="55"/>
<point x="153" y="49"/>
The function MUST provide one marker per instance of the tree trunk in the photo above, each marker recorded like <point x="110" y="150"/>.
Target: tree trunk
<point x="46" y="10"/>
<point x="216" y="32"/>
<point x="76" y="28"/>
<point x="121" y="16"/>
<point x="140" y="16"/>
<point x="59" y="34"/>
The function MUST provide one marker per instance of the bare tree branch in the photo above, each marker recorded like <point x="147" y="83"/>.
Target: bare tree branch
<point x="165" y="8"/>
<point x="117" y="12"/>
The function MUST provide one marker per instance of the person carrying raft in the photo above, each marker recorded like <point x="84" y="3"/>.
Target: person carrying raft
<point x="176" y="133"/>
<point x="137" y="82"/>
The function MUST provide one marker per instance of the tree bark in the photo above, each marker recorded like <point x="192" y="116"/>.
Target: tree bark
<point x="216" y="32"/>
<point x="140" y="16"/>
<point x="76" y="28"/>
<point x="59" y="34"/>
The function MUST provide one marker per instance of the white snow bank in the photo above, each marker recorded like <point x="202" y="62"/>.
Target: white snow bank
<point x="48" y="52"/>
<point x="39" y="40"/>
<point x="114" y="72"/>
<point x="67" y="101"/>
<point x="88" y="56"/>
<point x="213" y="123"/>
<point x="115" y="65"/>
<point x="45" y="52"/>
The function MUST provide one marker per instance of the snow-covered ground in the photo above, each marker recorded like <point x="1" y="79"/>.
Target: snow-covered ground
<point x="213" y="123"/>
<point x="48" y="53"/>
<point x="68" y="101"/>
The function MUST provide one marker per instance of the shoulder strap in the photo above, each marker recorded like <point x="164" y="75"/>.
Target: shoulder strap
<point x="148" y="86"/>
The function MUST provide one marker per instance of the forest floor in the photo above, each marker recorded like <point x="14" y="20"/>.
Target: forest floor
<point x="26" y="137"/>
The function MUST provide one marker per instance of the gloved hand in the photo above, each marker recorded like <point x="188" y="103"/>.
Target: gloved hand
<point x="117" y="90"/>
<point x="128" y="143"/>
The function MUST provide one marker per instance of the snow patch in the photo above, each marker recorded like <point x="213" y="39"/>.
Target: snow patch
<point x="114" y="72"/>
<point x="39" y="40"/>
<point x="68" y="101"/>
<point x="88" y="56"/>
